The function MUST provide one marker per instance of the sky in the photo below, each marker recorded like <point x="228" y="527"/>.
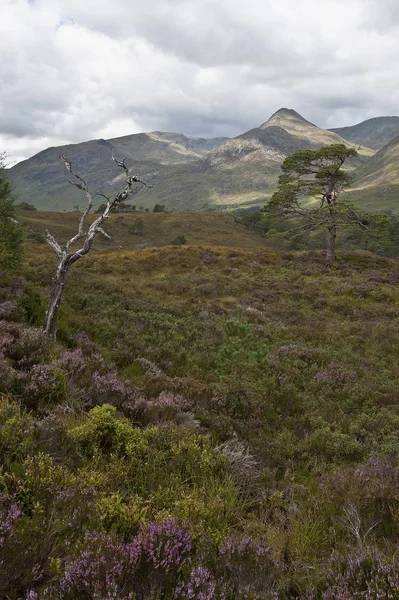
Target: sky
<point x="74" y="70"/>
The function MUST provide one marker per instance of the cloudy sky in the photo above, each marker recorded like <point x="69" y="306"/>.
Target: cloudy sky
<point x="73" y="70"/>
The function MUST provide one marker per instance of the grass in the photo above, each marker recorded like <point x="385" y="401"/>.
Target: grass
<point x="159" y="229"/>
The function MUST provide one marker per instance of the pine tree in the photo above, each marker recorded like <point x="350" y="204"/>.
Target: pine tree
<point x="317" y="174"/>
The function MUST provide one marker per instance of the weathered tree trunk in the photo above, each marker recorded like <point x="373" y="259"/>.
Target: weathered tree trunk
<point x="55" y="299"/>
<point x="332" y="236"/>
<point x="67" y="258"/>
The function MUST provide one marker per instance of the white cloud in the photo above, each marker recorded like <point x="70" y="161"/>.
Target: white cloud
<point x="74" y="70"/>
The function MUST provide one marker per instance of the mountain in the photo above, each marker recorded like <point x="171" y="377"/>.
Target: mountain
<point x="242" y="170"/>
<point x="376" y="183"/>
<point x="296" y="125"/>
<point x="42" y="179"/>
<point x="185" y="173"/>
<point x="373" y="133"/>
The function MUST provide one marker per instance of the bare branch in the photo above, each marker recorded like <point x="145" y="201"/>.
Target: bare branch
<point x="352" y="214"/>
<point x="82" y="221"/>
<point x="66" y="258"/>
<point x="104" y="233"/>
<point x="136" y="178"/>
<point x="306" y="214"/>
<point x="323" y="201"/>
<point x="306" y="226"/>
<point x="54" y="244"/>
<point x="81" y="185"/>
<point x="68" y="165"/>
<point x="103" y="195"/>
<point x="352" y="522"/>
<point x="121" y="164"/>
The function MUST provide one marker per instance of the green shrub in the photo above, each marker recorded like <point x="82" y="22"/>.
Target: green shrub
<point x="26" y="206"/>
<point x="179" y="240"/>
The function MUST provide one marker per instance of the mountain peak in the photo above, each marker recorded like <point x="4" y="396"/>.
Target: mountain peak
<point x="299" y="127"/>
<point x="285" y="116"/>
<point x="288" y="111"/>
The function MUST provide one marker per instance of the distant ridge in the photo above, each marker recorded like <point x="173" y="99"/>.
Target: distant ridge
<point x="373" y="133"/>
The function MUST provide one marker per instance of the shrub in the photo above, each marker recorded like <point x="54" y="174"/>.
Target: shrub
<point x="165" y="546"/>
<point x="137" y="228"/>
<point x="179" y="240"/>
<point x="364" y="574"/>
<point x="16" y="429"/>
<point x="44" y="385"/>
<point x="26" y="206"/>
<point x="103" y="432"/>
<point x="202" y="584"/>
<point x="24" y="346"/>
<point x="159" y="208"/>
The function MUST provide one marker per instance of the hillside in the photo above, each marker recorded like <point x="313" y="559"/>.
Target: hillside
<point x="242" y="170"/>
<point x="154" y="229"/>
<point x="373" y="133"/>
<point x="42" y="179"/>
<point x="376" y="183"/>
<point x="210" y="419"/>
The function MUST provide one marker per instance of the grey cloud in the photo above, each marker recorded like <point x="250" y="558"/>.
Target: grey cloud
<point x="76" y="71"/>
<point x="380" y="16"/>
<point x="210" y="32"/>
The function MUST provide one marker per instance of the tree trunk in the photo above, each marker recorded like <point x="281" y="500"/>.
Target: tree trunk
<point x="332" y="236"/>
<point x="55" y="299"/>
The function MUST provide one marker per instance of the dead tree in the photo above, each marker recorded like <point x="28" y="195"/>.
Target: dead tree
<point x="66" y="256"/>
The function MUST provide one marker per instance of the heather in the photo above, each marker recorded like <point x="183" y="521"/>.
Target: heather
<point x="212" y="423"/>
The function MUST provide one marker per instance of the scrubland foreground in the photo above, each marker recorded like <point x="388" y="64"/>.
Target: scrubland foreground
<point x="213" y="423"/>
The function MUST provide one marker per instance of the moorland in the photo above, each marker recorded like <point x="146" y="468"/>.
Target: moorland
<point x="218" y="417"/>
